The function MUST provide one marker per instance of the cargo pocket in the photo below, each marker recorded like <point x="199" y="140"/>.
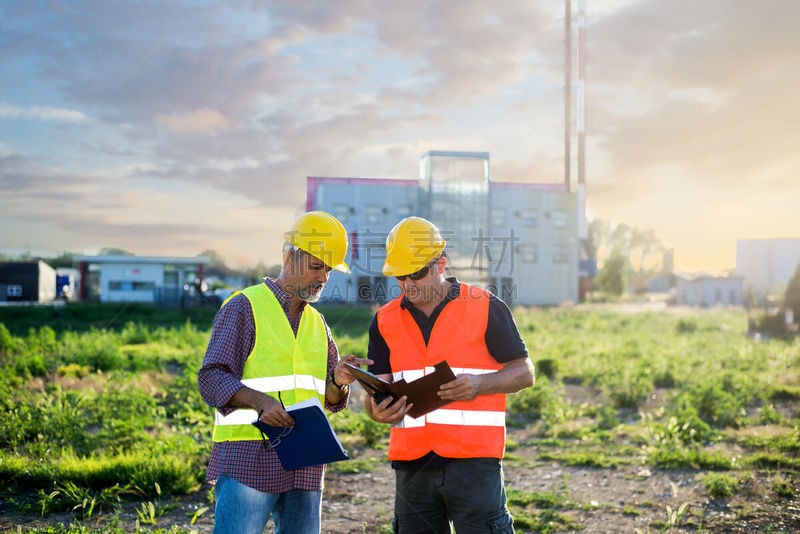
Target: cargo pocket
<point x="500" y="522"/>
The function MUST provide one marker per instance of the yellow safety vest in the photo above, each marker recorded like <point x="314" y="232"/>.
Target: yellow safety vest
<point x="279" y="362"/>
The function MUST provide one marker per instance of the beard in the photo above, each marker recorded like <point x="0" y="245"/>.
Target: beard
<point x="310" y="293"/>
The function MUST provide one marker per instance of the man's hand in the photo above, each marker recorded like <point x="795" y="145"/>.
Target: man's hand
<point x="515" y="375"/>
<point x="269" y="408"/>
<point x="342" y="374"/>
<point x="464" y="387"/>
<point x="389" y="410"/>
<point x="273" y="413"/>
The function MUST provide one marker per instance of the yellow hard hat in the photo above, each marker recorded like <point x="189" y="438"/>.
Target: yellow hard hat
<point x="321" y="235"/>
<point x="411" y="245"/>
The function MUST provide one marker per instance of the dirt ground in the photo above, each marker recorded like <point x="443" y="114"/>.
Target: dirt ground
<point x="627" y="499"/>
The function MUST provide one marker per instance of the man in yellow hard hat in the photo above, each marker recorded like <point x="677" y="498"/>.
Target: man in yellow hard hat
<point x="447" y="462"/>
<point x="268" y="349"/>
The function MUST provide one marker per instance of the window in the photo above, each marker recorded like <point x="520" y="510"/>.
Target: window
<point x="144" y="286"/>
<point x="127" y="285"/>
<point x="528" y="217"/>
<point x="403" y="211"/>
<point x="529" y="253"/>
<point x="560" y="254"/>
<point x="498" y="217"/>
<point x="559" y="218"/>
<point x="170" y="278"/>
<point x="373" y="214"/>
<point x="341" y="212"/>
<point x="14" y="290"/>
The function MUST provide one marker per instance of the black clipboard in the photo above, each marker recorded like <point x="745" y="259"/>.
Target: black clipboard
<point x="422" y="393"/>
<point x="311" y="441"/>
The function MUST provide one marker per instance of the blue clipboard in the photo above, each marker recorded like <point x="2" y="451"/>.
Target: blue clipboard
<point x="311" y="441"/>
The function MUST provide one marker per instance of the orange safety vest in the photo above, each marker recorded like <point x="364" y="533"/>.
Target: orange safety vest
<point x="462" y="429"/>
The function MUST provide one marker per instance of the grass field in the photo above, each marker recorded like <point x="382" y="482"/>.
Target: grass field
<point x="101" y="406"/>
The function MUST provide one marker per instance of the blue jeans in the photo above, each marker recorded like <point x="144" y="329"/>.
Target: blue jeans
<point x="468" y="492"/>
<point x="242" y="510"/>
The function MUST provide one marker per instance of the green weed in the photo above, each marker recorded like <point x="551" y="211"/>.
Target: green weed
<point x="783" y="487"/>
<point x="198" y="513"/>
<point x="100" y="397"/>
<point x="674" y="516"/>
<point x="720" y="485"/>
<point x="538" y="511"/>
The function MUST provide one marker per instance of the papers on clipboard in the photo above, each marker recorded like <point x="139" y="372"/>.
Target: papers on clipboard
<point x="422" y="393"/>
<point x="311" y="441"/>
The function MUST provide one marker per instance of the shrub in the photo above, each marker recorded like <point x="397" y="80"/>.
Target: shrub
<point x="716" y="406"/>
<point x="372" y="433"/>
<point x="720" y="485"/>
<point x="772" y="325"/>
<point x="629" y="389"/>
<point x="783" y="487"/>
<point x="692" y="428"/>
<point x="768" y="414"/>
<point x="607" y="418"/>
<point x="135" y="334"/>
<point x="29" y="365"/>
<point x="530" y="403"/>
<point x="547" y="367"/>
<point x="7" y="342"/>
<point x="44" y="341"/>
<point x="664" y="378"/>
<point x="686" y="326"/>
<point x="74" y="370"/>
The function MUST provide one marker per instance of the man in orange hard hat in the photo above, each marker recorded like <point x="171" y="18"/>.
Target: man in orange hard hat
<point x="269" y="348"/>
<point x="447" y="462"/>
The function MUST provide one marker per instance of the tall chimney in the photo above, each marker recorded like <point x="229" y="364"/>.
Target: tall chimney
<point x="567" y="90"/>
<point x="583" y="230"/>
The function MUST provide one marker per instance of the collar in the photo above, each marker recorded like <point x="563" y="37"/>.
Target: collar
<point x="283" y="297"/>
<point x="452" y="294"/>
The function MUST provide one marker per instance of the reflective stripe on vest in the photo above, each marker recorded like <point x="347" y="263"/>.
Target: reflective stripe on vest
<point x="444" y="416"/>
<point x="462" y="429"/>
<point x="272" y="384"/>
<point x="279" y="362"/>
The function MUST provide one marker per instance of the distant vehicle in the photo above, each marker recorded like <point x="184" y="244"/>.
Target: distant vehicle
<point x="65" y="286"/>
<point x="197" y="294"/>
<point x="223" y="293"/>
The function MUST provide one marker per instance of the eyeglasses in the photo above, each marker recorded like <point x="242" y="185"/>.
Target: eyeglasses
<point x="272" y="443"/>
<point x="419" y="275"/>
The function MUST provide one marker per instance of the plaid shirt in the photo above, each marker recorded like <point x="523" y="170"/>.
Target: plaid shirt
<point x="249" y="462"/>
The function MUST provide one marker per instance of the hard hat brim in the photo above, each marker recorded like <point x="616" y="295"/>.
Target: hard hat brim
<point x="342" y="268"/>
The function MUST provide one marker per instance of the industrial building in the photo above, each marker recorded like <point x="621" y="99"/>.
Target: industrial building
<point x="766" y="265"/>
<point x="520" y="240"/>
<point x="27" y="281"/>
<point x="707" y="291"/>
<point x="148" y="279"/>
<point x="528" y="243"/>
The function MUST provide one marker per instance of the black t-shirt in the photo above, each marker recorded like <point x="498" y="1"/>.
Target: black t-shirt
<point x="502" y="339"/>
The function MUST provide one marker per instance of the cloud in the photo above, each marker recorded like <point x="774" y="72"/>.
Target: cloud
<point x="147" y="102"/>
<point x="42" y="113"/>
<point x="196" y="121"/>
<point x="707" y="89"/>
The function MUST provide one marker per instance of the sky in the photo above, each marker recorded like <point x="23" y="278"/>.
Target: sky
<point x="171" y="128"/>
